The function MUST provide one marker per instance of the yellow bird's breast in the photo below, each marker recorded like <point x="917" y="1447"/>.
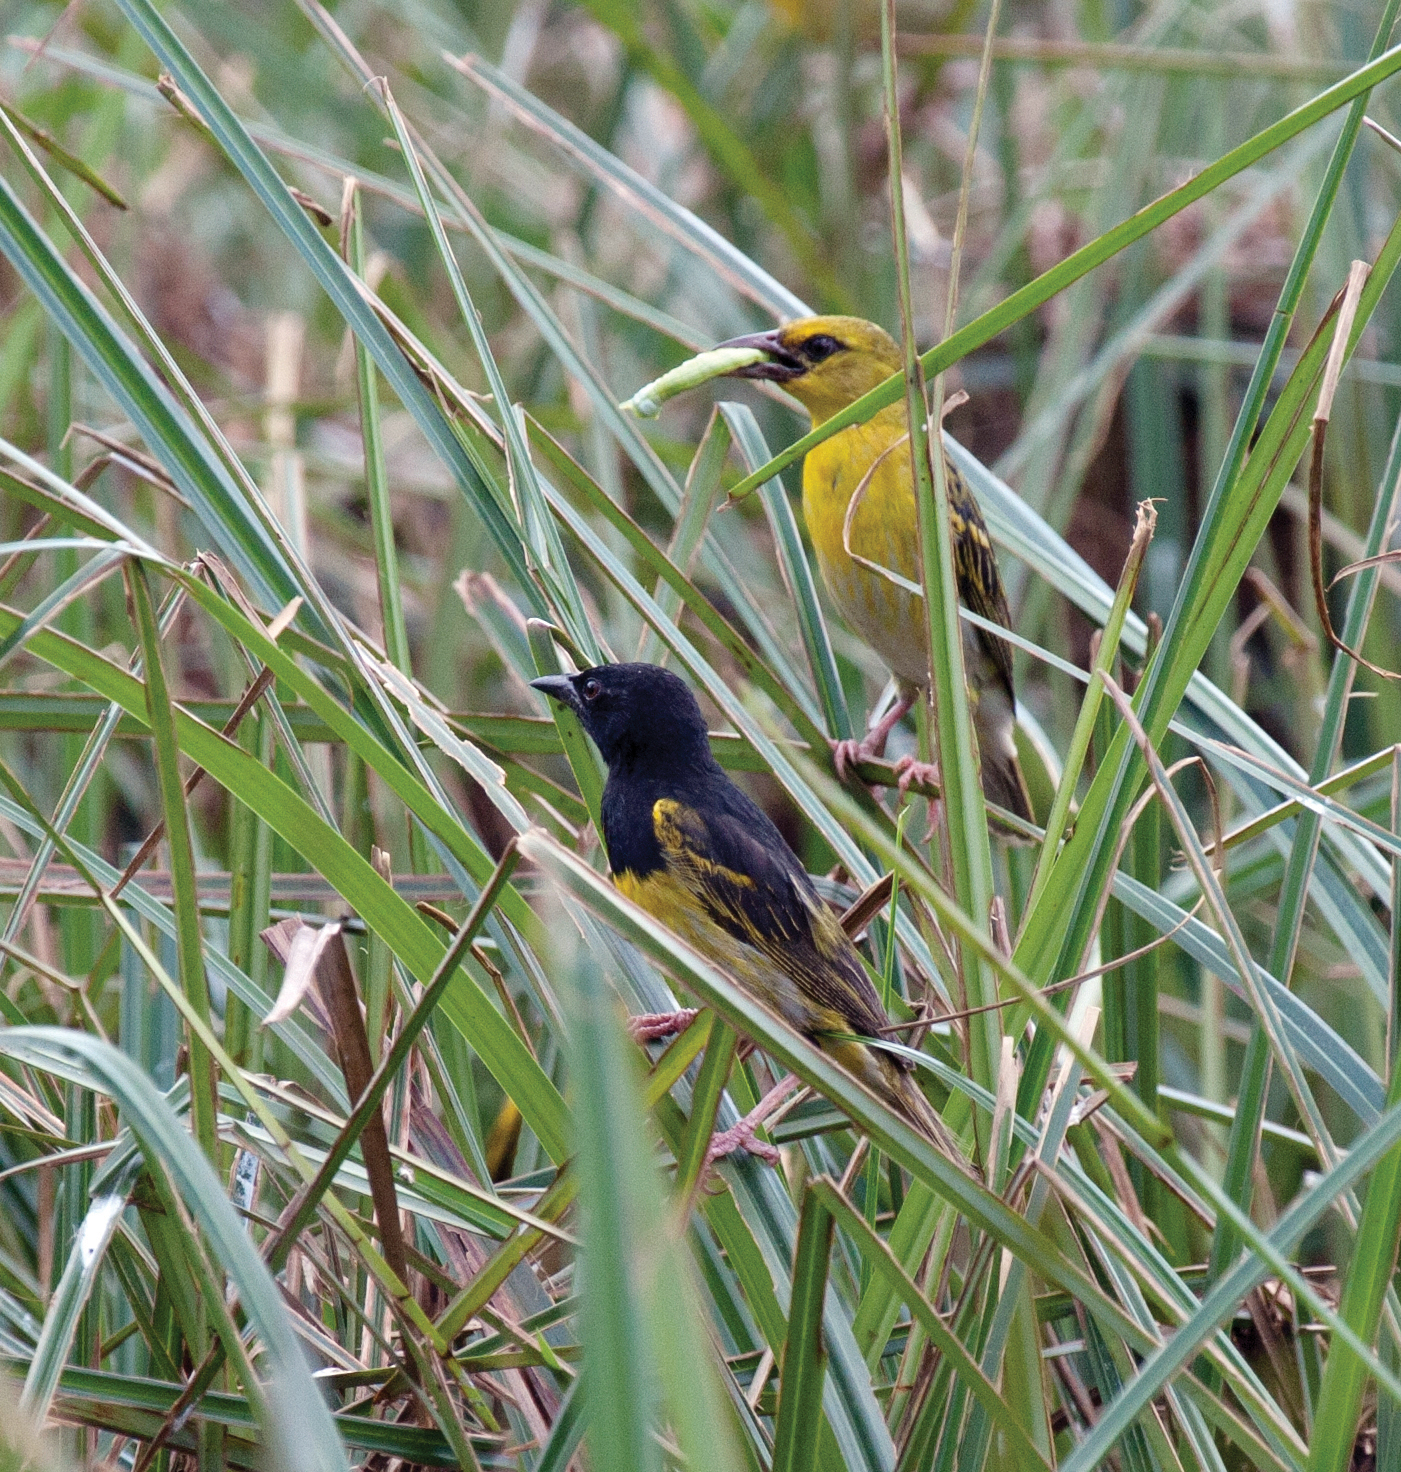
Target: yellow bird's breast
<point x="858" y="497"/>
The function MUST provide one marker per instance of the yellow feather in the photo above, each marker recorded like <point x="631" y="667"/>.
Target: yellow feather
<point x="664" y="895"/>
<point x="859" y="504"/>
<point x="671" y="834"/>
<point x="888" y="618"/>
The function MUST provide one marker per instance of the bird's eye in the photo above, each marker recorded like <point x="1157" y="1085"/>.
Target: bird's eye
<point x="591" y="689"/>
<point x="815" y="349"/>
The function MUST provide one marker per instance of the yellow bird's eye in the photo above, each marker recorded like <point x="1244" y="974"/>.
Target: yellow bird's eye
<point x="815" y="349"/>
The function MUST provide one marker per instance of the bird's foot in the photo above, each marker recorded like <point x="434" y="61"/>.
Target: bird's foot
<point x="927" y="775"/>
<point x="649" y="1026"/>
<point x="742" y="1136"/>
<point x="849" y="754"/>
<point x="911" y="770"/>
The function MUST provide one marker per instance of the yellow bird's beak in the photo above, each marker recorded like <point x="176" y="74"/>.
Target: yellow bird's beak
<point x="779" y="365"/>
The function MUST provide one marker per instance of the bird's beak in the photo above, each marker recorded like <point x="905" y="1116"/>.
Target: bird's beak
<point x="778" y="367"/>
<point x="558" y="687"/>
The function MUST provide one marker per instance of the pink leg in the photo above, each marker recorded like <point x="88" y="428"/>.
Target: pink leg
<point x="741" y="1136"/>
<point x="849" y="753"/>
<point x="649" y="1026"/>
<point x="927" y="775"/>
<point x="911" y="770"/>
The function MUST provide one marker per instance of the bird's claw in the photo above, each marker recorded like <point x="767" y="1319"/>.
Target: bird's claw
<point x="848" y="755"/>
<point x="649" y="1026"/>
<point x="926" y="774"/>
<point x="911" y="770"/>
<point x="741" y="1136"/>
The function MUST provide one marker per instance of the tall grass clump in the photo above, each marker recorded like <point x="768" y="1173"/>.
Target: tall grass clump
<point x="322" y="1138"/>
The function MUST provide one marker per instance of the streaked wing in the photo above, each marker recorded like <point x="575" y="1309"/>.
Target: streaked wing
<point x="757" y="892"/>
<point x="979" y="581"/>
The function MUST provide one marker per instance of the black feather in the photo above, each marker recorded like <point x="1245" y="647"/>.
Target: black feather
<point x="709" y="834"/>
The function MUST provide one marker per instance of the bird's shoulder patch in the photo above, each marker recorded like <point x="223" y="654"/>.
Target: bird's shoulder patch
<point x="685" y="837"/>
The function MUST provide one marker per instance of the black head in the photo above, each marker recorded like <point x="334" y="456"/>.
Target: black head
<point x="638" y="715"/>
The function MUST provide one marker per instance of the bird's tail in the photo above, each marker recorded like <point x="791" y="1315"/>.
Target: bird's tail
<point x="898" y="1086"/>
<point x="891" y="1078"/>
<point x="1003" y="782"/>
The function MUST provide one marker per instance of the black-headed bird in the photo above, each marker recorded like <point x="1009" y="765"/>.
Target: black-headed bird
<point x="859" y="504"/>
<point x="694" y="851"/>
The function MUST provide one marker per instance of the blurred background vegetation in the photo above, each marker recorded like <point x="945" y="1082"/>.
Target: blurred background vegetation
<point x="561" y="139"/>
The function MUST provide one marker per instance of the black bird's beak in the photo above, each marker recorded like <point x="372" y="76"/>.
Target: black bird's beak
<point x="558" y="687"/>
<point x="779" y="367"/>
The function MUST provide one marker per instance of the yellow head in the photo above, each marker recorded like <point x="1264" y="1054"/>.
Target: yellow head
<point x="826" y="363"/>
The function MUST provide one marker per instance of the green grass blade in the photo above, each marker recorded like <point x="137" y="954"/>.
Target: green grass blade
<point x="147" y="403"/>
<point x="728" y="147"/>
<point x="537" y="526"/>
<point x="619" y="1194"/>
<point x="797" y="573"/>
<point x="1319" y="1045"/>
<point x="296" y="1414"/>
<point x="684" y="227"/>
<point x="1242" y="1144"/>
<point x="804" y="1364"/>
<point x="193" y="981"/>
<point x="1369" y="1275"/>
<point x="1084" y="722"/>
<point x="71" y="1297"/>
<point x="968" y="859"/>
<point x="334" y="278"/>
<point x="697" y="502"/>
<point x="720" y="1047"/>
<point x="888" y="1267"/>
<point x="391" y="601"/>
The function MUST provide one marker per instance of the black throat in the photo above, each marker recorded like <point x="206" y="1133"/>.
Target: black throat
<point x="636" y="781"/>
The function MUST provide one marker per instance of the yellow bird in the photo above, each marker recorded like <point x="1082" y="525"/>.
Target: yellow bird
<point x="859" y="503"/>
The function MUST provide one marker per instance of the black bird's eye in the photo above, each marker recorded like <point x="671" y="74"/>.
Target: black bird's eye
<point x="815" y="349"/>
<point x="591" y="689"/>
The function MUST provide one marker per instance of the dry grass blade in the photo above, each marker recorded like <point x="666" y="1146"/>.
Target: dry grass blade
<point x="1345" y="306"/>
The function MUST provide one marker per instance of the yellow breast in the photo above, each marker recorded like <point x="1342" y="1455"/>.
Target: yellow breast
<point x="665" y="896"/>
<point x="858" y="497"/>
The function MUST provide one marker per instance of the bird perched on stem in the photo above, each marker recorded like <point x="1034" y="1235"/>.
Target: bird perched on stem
<point x="859" y="503"/>
<point x="689" y="847"/>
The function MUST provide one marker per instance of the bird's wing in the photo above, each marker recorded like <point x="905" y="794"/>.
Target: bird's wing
<point x="752" y="886"/>
<point x="979" y="582"/>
